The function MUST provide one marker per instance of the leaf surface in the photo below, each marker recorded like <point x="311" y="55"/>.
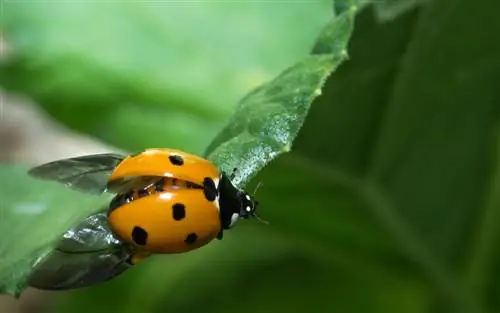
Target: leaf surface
<point x="34" y="214"/>
<point x="268" y="119"/>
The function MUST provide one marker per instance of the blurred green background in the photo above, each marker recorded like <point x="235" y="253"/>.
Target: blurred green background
<point x="389" y="200"/>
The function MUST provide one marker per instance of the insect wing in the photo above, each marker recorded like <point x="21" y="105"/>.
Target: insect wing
<point x="86" y="173"/>
<point x="134" y="182"/>
<point x="61" y="271"/>
<point x="91" y="235"/>
<point x="87" y="254"/>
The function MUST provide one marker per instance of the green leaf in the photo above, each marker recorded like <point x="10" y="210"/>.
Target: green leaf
<point x="388" y="200"/>
<point x="440" y="136"/>
<point x="303" y="81"/>
<point x="95" y="76"/>
<point x="268" y="119"/>
<point x="395" y="163"/>
<point x="34" y="214"/>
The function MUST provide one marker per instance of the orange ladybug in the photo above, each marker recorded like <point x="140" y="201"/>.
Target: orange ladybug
<point x="167" y="200"/>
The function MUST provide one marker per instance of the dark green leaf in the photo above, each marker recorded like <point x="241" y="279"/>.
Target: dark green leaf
<point x="394" y="164"/>
<point x="440" y="133"/>
<point x="387" y="10"/>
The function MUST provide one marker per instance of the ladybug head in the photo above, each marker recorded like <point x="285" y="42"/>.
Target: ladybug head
<point x="249" y="205"/>
<point x="235" y="203"/>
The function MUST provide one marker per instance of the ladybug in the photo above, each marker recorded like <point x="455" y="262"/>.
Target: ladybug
<point x="166" y="200"/>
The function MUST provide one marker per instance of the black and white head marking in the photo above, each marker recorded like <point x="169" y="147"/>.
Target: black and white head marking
<point x="234" y="218"/>
<point x="234" y="202"/>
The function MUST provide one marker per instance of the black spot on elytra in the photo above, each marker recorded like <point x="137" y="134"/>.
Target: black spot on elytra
<point x="176" y="160"/>
<point x="139" y="236"/>
<point x="178" y="211"/>
<point x="191" y="238"/>
<point x="209" y="189"/>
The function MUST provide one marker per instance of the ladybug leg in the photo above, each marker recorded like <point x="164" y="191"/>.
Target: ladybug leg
<point x="137" y="257"/>
<point x="220" y="234"/>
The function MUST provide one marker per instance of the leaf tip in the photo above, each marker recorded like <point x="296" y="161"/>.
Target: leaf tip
<point x="287" y="148"/>
<point x="353" y="8"/>
<point x="344" y="54"/>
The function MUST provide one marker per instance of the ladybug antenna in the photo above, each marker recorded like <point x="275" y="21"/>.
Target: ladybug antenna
<point x="260" y="220"/>
<point x="256" y="203"/>
<point x="259" y="184"/>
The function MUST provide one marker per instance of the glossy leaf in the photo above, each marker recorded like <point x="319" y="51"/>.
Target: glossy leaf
<point x="269" y="118"/>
